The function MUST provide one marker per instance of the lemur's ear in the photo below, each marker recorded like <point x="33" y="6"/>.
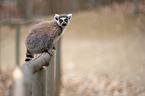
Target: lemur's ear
<point x="69" y="16"/>
<point x="56" y="16"/>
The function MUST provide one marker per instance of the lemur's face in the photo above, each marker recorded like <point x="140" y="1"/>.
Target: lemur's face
<point x="62" y="20"/>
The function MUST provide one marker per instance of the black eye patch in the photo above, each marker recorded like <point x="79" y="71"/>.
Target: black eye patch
<point x="60" y="20"/>
<point x="65" y="20"/>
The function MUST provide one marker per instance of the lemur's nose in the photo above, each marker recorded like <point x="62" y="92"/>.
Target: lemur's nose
<point x="63" y="24"/>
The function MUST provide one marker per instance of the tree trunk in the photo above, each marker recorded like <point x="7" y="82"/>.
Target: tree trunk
<point x="136" y="10"/>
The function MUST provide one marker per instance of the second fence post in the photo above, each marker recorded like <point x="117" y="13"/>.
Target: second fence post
<point x="17" y="44"/>
<point x="57" y="69"/>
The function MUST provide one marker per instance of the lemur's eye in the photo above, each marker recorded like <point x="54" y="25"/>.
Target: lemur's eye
<point x="66" y="20"/>
<point x="60" y="20"/>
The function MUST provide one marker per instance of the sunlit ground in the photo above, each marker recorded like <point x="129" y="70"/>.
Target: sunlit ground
<point x="103" y="53"/>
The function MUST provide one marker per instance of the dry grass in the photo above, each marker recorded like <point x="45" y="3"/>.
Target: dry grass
<point x="5" y="82"/>
<point x="102" y="53"/>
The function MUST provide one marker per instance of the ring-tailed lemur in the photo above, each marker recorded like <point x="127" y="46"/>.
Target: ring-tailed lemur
<point x="42" y="36"/>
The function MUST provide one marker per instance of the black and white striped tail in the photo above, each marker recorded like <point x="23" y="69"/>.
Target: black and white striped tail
<point x="29" y="56"/>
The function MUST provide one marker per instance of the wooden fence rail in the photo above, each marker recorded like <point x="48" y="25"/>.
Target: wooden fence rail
<point x="31" y="80"/>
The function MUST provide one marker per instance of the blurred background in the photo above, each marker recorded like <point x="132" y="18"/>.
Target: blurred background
<point x="102" y="50"/>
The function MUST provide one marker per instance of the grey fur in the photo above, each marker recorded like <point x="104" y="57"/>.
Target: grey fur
<point x="41" y="36"/>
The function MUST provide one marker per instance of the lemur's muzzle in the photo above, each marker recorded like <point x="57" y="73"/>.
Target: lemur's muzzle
<point x="63" y="24"/>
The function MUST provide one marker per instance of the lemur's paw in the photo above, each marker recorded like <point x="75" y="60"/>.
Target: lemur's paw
<point x="49" y="52"/>
<point x="43" y="68"/>
<point x="53" y="48"/>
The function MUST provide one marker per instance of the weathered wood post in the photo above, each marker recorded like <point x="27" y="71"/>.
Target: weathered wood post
<point x="17" y="35"/>
<point x="28" y="14"/>
<point x="50" y="76"/>
<point x="58" y="69"/>
<point x="18" y="88"/>
<point x="28" y="71"/>
<point x="0" y="49"/>
<point x="38" y="84"/>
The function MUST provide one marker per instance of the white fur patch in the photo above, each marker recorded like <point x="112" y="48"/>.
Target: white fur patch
<point x="63" y="18"/>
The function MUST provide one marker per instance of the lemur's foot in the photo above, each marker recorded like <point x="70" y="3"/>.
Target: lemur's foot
<point x="49" y="52"/>
<point x="53" y="48"/>
<point x="43" y="68"/>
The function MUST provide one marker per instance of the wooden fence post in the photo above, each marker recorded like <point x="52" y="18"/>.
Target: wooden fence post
<point x="44" y="82"/>
<point x="57" y="69"/>
<point x="17" y="35"/>
<point x="38" y="83"/>
<point x="0" y="50"/>
<point x="50" y="76"/>
<point x="18" y="88"/>
<point x="29" y="70"/>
